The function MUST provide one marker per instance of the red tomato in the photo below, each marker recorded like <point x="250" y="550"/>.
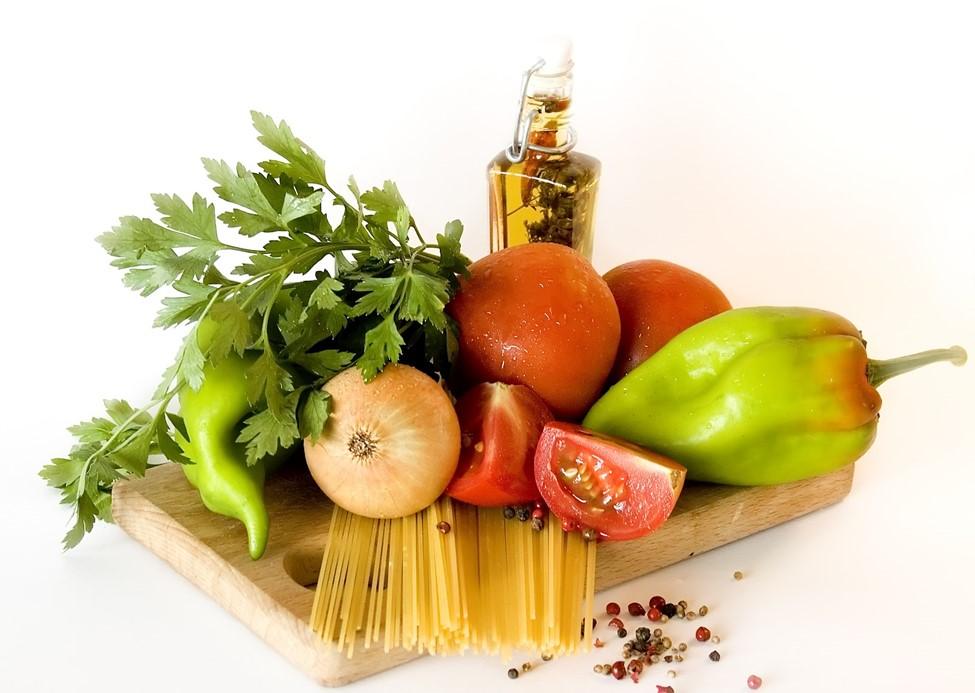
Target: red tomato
<point x="657" y="300"/>
<point x="499" y="429"/>
<point x="538" y="315"/>
<point x="589" y="480"/>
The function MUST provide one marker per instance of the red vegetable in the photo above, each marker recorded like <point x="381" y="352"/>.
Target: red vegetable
<point x="499" y="427"/>
<point x="616" y="489"/>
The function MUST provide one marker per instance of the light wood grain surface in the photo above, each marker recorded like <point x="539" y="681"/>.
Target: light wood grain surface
<point x="273" y="596"/>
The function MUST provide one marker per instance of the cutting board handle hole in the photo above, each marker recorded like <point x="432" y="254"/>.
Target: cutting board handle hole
<point x="302" y="566"/>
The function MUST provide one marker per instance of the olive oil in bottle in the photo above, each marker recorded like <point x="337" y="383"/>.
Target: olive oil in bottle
<point x="541" y="189"/>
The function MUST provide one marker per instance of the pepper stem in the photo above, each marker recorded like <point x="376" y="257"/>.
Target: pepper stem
<point x="881" y="371"/>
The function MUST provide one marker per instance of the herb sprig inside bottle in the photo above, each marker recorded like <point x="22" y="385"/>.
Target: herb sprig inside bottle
<point x="313" y="298"/>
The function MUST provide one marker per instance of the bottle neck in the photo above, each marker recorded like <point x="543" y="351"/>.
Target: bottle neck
<point x="551" y="98"/>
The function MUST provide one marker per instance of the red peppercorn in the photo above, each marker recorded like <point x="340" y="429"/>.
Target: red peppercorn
<point x="635" y="666"/>
<point x="657" y="601"/>
<point x="754" y="682"/>
<point x="654" y="614"/>
<point x="665" y="689"/>
<point x="619" y="670"/>
<point x="612" y="608"/>
<point x="702" y="634"/>
<point x="538" y="513"/>
<point x="636" y="609"/>
<point x="615" y="623"/>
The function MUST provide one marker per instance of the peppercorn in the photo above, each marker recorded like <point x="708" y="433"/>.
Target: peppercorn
<point x="642" y="634"/>
<point x="656" y="602"/>
<point x="690" y="615"/>
<point x="636" y="609"/>
<point x="666" y="643"/>
<point x="702" y="634"/>
<point x="715" y="639"/>
<point x="443" y="526"/>
<point x="715" y="656"/>
<point x="679" y="658"/>
<point x="639" y="646"/>
<point x="754" y="682"/>
<point x="664" y="689"/>
<point x="682" y="646"/>
<point x="538" y="513"/>
<point x="655" y="658"/>
<point x="512" y="673"/>
<point x="738" y="576"/>
<point x="616" y="623"/>
<point x="547" y="657"/>
<point x="669" y="610"/>
<point x="509" y="512"/>
<point x="654" y="614"/>
<point x="682" y="604"/>
<point x="635" y="666"/>
<point x="671" y="673"/>
<point x="668" y="659"/>
<point x="538" y="524"/>
<point x="589" y="534"/>
<point x="526" y="667"/>
<point x="621" y="632"/>
<point x="613" y="609"/>
<point x="598" y="668"/>
<point x="703" y="611"/>
<point x="598" y="643"/>
<point x="522" y="513"/>
<point x="619" y="669"/>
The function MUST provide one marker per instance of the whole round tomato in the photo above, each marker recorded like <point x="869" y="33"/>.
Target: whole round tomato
<point x="499" y="429"/>
<point x="538" y="315"/>
<point x="657" y="300"/>
<point x="592" y="481"/>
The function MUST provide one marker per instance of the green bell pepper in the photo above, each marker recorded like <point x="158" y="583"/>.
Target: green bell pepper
<point x="756" y="396"/>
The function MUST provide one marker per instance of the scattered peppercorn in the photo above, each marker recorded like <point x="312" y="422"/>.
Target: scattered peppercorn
<point x="663" y="618"/>
<point x="678" y="658"/>
<point x="598" y="668"/>
<point x="666" y="643"/>
<point x="635" y="666"/>
<point x="703" y="611"/>
<point x="526" y="667"/>
<point x="618" y="670"/>
<point x="509" y="512"/>
<point x="621" y="632"/>
<point x="655" y="658"/>
<point x="682" y="646"/>
<point x="654" y="614"/>
<point x="643" y="634"/>
<point x="715" y="639"/>
<point x="669" y="610"/>
<point x="738" y="575"/>
<point x="512" y="673"/>
<point x="589" y="534"/>
<point x="598" y="643"/>
<point x="616" y="623"/>
<point x="443" y="527"/>
<point x="636" y="609"/>
<point x="702" y="634"/>
<point x="690" y="615"/>
<point x="715" y="656"/>
<point x="754" y="682"/>
<point x="613" y="609"/>
<point x="547" y="657"/>
<point x="671" y="673"/>
<point x="668" y="659"/>
<point x="664" y="689"/>
<point x="538" y="524"/>
<point x="523" y="513"/>
<point x="656" y="602"/>
<point x="682" y="604"/>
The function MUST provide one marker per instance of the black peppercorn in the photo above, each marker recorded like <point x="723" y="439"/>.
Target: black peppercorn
<point x="669" y="610"/>
<point x="538" y="524"/>
<point x="643" y="634"/>
<point x="512" y="673"/>
<point x="509" y="512"/>
<point x="621" y="632"/>
<point x="715" y="656"/>
<point x="523" y="513"/>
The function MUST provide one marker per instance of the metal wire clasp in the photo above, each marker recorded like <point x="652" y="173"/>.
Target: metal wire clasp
<point x="518" y="149"/>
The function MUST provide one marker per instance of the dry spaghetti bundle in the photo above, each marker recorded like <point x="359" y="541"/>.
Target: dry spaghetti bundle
<point x="454" y="578"/>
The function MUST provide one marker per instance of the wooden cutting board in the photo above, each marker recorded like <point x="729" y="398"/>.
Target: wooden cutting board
<point x="273" y="596"/>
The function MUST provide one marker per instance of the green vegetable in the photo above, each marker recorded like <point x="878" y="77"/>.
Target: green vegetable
<point x="756" y="396"/>
<point x="360" y="285"/>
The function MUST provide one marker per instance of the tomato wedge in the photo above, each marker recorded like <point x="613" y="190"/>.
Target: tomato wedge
<point x="589" y="480"/>
<point x="499" y="426"/>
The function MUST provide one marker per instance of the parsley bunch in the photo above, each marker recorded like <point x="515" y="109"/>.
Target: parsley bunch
<point x="314" y="299"/>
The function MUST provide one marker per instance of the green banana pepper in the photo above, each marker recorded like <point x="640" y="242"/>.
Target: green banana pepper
<point x="757" y="396"/>
<point x="212" y="416"/>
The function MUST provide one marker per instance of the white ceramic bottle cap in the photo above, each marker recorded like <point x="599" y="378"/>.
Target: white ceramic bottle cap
<point x="556" y="51"/>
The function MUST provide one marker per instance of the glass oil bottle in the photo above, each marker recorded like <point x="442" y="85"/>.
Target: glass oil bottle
<point x="541" y="189"/>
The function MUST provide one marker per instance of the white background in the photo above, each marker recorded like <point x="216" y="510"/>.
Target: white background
<point x="817" y="153"/>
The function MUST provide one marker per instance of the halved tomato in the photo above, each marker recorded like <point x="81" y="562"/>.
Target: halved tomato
<point x="589" y="480"/>
<point x="499" y="427"/>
